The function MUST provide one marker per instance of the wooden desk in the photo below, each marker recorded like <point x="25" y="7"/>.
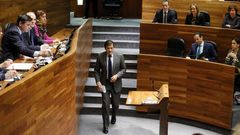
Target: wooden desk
<point x="158" y="99"/>
<point x="198" y="90"/>
<point x="45" y="101"/>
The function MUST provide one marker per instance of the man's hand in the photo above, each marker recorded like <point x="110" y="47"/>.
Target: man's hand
<point x="99" y="86"/>
<point x="6" y="63"/>
<point x="114" y="78"/>
<point x="46" y="53"/>
<point x="10" y="74"/>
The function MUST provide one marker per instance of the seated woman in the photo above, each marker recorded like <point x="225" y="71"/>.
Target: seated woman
<point x="233" y="58"/>
<point x="194" y="17"/>
<point x="231" y="20"/>
<point x="40" y="27"/>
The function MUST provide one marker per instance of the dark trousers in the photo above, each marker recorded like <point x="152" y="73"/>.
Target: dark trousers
<point x="115" y="101"/>
<point x="95" y="8"/>
<point x="237" y="83"/>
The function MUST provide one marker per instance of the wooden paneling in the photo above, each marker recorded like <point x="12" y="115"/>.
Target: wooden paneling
<point x="57" y="11"/>
<point x="153" y="37"/>
<point x="198" y="90"/>
<point x="45" y="102"/>
<point x="215" y="8"/>
<point x="129" y="9"/>
<point x="83" y="53"/>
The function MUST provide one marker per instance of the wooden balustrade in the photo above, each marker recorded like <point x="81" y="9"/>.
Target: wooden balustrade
<point x="198" y="90"/>
<point x="45" y="101"/>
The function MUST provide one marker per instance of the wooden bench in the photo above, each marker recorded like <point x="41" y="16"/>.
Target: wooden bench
<point x="153" y="37"/>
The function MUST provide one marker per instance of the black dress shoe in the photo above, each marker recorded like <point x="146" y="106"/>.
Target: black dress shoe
<point x="113" y="120"/>
<point x="105" y="130"/>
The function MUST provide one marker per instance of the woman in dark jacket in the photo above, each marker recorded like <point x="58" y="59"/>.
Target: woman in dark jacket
<point x="194" y="17"/>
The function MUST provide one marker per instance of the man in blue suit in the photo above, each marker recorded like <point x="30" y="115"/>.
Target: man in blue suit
<point x="165" y="15"/>
<point x="202" y="50"/>
<point x="14" y="44"/>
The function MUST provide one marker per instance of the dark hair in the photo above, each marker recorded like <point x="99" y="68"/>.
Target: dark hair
<point x="23" y="19"/>
<point x="230" y="7"/>
<point x="108" y="43"/>
<point x="199" y="34"/>
<point x="39" y="13"/>
<point x="237" y="40"/>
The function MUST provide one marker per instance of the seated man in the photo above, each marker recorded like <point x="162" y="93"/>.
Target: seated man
<point x="202" y="50"/>
<point x="30" y="36"/>
<point x="13" y="43"/>
<point x="166" y="15"/>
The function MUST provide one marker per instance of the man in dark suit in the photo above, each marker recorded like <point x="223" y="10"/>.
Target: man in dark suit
<point x="202" y="50"/>
<point x="14" y="44"/>
<point x="109" y="70"/>
<point x="30" y="36"/>
<point x="165" y="15"/>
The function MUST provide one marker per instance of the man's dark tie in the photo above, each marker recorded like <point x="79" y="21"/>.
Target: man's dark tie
<point x="165" y="17"/>
<point x="109" y="67"/>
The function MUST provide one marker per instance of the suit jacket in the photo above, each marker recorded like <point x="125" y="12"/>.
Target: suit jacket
<point x="208" y="51"/>
<point x="171" y="16"/>
<point x="233" y="22"/>
<point x="2" y="73"/>
<point x="31" y="38"/>
<point x="118" y="68"/>
<point x="200" y="20"/>
<point x="13" y="44"/>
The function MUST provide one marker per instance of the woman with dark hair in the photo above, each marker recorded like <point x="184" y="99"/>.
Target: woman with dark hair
<point x="194" y="17"/>
<point x="233" y="58"/>
<point x="41" y="29"/>
<point x="231" y="19"/>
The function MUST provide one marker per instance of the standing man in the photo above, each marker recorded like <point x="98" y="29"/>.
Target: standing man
<point x="201" y="49"/>
<point x="86" y="8"/>
<point x="165" y="15"/>
<point x="109" y="70"/>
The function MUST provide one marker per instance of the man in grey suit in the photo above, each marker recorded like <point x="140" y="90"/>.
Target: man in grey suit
<point x="109" y="70"/>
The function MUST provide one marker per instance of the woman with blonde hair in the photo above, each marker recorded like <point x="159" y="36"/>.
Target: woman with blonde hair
<point x="195" y="17"/>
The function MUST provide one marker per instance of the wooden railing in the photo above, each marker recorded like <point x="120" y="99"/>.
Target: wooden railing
<point x="198" y="90"/>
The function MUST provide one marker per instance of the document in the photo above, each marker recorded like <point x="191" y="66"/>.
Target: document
<point x="20" y="66"/>
<point x="104" y="89"/>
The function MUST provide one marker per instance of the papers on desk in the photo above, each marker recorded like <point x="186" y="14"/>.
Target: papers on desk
<point x="150" y="100"/>
<point x="20" y="66"/>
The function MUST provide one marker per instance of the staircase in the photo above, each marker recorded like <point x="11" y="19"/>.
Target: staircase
<point x="126" y="38"/>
